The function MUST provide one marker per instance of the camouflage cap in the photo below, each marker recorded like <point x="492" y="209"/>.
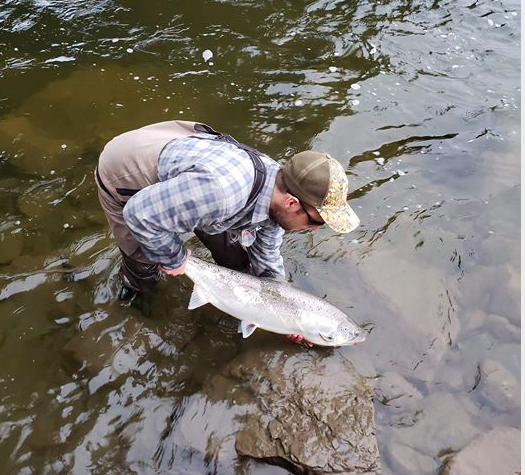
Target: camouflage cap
<point x="319" y="180"/>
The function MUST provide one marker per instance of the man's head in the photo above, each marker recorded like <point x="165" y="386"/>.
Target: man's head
<point x="311" y="190"/>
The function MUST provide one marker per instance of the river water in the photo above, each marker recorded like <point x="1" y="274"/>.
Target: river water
<point x="419" y="100"/>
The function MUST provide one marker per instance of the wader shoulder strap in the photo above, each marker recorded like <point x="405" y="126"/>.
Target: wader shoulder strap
<point x="255" y="156"/>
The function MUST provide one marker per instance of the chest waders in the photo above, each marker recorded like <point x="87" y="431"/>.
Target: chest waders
<point x="128" y="164"/>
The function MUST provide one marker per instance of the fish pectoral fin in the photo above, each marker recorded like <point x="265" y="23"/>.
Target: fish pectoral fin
<point x="329" y="338"/>
<point x="247" y="329"/>
<point x="198" y="298"/>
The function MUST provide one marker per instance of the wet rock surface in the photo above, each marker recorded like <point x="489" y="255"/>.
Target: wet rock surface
<point x="497" y="451"/>
<point x="309" y="413"/>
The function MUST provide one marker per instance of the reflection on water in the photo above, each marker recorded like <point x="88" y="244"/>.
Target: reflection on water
<point x="419" y="101"/>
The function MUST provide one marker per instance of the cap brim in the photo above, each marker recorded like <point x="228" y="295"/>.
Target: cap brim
<point x="341" y="219"/>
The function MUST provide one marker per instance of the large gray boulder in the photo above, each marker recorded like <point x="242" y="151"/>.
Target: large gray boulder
<point x="310" y="411"/>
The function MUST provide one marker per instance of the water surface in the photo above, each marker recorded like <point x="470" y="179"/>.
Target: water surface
<point x="419" y="101"/>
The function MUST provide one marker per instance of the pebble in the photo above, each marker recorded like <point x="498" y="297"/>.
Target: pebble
<point x="298" y="102"/>
<point x="355" y="87"/>
<point x="130" y="50"/>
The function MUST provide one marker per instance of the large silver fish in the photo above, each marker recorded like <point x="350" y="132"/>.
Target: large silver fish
<point x="270" y="304"/>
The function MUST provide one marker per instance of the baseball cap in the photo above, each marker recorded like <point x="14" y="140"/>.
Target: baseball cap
<point x="319" y="180"/>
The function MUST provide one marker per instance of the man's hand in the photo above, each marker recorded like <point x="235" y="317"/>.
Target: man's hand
<point x="300" y="339"/>
<point x="179" y="270"/>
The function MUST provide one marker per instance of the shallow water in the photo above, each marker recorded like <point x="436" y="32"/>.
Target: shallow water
<point x="419" y="100"/>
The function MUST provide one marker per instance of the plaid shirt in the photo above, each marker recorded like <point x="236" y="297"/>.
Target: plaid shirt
<point x="205" y="184"/>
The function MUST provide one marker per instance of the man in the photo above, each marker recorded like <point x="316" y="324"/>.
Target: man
<point x="163" y="180"/>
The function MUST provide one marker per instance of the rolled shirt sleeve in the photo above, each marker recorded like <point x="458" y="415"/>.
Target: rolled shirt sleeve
<point x="159" y="213"/>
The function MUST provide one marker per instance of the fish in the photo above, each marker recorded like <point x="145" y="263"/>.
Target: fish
<point x="270" y="304"/>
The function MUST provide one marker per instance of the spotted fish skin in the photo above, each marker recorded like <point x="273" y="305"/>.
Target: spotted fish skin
<point x="270" y="304"/>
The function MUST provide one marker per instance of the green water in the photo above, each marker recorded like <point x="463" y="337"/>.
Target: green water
<point x="419" y="100"/>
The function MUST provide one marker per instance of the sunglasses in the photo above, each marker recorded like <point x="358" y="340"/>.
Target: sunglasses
<point x="311" y="221"/>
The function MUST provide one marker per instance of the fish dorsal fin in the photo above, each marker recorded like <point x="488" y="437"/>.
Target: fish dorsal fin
<point x="198" y="298"/>
<point x="247" y="329"/>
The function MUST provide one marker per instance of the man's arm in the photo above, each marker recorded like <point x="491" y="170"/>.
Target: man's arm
<point x="157" y="214"/>
<point x="265" y="252"/>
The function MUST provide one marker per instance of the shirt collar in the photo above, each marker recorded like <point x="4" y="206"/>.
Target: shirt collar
<point x="261" y="211"/>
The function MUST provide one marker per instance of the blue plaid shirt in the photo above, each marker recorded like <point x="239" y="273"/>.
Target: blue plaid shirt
<point x="205" y="184"/>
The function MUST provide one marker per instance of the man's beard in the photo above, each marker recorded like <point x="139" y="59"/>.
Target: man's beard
<point x="281" y="219"/>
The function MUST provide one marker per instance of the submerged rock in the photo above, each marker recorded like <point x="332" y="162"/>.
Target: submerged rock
<point x="119" y="341"/>
<point x="405" y="459"/>
<point x="499" y="387"/>
<point x="311" y="414"/>
<point x="45" y="430"/>
<point x="113" y="343"/>
<point x="497" y="451"/>
<point x="10" y="247"/>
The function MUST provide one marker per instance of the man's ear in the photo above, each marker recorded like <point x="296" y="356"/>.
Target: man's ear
<point x="290" y="200"/>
